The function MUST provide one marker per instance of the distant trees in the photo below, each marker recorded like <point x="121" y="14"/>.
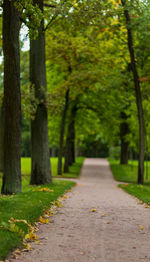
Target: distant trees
<point x="91" y="93"/>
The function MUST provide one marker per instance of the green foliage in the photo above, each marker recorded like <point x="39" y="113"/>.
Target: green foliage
<point x="30" y="14"/>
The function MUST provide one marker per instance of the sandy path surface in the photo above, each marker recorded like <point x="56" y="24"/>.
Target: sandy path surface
<point x="112" y="233"/>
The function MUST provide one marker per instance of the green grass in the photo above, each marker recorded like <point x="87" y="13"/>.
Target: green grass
<point x="28" y="205"/>
<point x="139" y="191"/>
<point x="73" y="171"/>
<point x="128" y="174"/>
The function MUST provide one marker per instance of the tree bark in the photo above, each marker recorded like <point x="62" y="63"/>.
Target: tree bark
<point x="2" y="138"/>
<point x="124" y="130"/>
<point x="12" y="100"/>
<point x="138" y="97"/>
<point x="41" y="172"/>
<point x="70" y="148"/>
<point x="62" y="129"/>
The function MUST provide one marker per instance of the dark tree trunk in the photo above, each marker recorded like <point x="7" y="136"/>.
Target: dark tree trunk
<point x="70" y="148"/>
<point x="138" y="97"/>
<point x="41" y="172"/>
<point x="124" y="130"/>
<point x="62" y="129"/>
<point x="53" y="151"/>
<point x="2" y="138"/>
<point x="12" y="100"/>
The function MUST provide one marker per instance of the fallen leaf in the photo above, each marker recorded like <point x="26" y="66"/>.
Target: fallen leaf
<point x="43" y="221"/>
<point x="147" y="206"/>
<point x="44" y="189"/>
<point x="93" y="210"/>
<point x="31" y="236"/>
<point x="65" y="196"/>
<point x="57" y="203"/>
<point x="141" y="227"/>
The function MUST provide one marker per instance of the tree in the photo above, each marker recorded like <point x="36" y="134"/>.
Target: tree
<point x="70" y="139"/>
<point x="138" y="95"/>
<point x="62" y="130"/>
<point x="12" y="99"/>
<point x="124" y="130"/>
<point x="41" y="172"/>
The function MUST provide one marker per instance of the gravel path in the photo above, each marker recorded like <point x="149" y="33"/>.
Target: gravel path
<point x="111" y="233"/>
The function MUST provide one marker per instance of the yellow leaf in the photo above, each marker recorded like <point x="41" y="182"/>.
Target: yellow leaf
<point x="44" y="189"/>
<point x="31" y="236"/>
<point x="141" y="227"/>
<point x="43" y="221"/>
<point x="65" y="196"/>
<point x="93" y="210"/>
<point x="57" y="203"/>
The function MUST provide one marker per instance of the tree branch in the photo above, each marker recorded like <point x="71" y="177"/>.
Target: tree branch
<point x="54" y="17"/>
<point x="51" y="6"/>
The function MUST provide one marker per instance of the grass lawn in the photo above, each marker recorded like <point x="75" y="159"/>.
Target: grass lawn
<point x="73" y="171"/>
<point x="128" y="174"/>
<point x="30" y="205"/>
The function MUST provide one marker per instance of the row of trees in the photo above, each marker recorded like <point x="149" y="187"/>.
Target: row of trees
<point x="96" y="75"/>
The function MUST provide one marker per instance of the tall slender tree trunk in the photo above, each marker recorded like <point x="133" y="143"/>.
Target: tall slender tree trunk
<point x="70" y="148"/>
<point x="124" y="130"/>
<point x="138" y="96"/>
<point x="2" y="138"/>
<point x="12" y="100"/>
<point x="41" y="172"/>
<point x="62" y="129"/>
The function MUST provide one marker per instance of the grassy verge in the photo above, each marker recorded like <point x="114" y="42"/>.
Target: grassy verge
<point x="28" y="205"/>
<point x="73" y="171"/>
<point x="139" y="191"/>
<point x="128" y="174"/>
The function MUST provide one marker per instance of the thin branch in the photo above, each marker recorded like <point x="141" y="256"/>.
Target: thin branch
<point x="54" y="17"/>
<point x="51" y="6"/>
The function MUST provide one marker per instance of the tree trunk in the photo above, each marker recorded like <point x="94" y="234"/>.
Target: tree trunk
<point x="124" y="130"/>
<point x="2" y="138"/>
<point x="41" y="172"/>
<point x="12" y="100"/>
<point x="70" y="148"/>
<point x="62" y="129"/>
<point x="138" y="97"/>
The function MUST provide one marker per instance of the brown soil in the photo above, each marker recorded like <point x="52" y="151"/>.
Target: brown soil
<point x="111" y="233"/>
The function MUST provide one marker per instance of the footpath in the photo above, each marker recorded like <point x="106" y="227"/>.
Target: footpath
<point x="98" y="222"/>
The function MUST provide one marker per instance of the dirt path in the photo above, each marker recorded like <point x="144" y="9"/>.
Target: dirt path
<point x="112" y="233"/>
